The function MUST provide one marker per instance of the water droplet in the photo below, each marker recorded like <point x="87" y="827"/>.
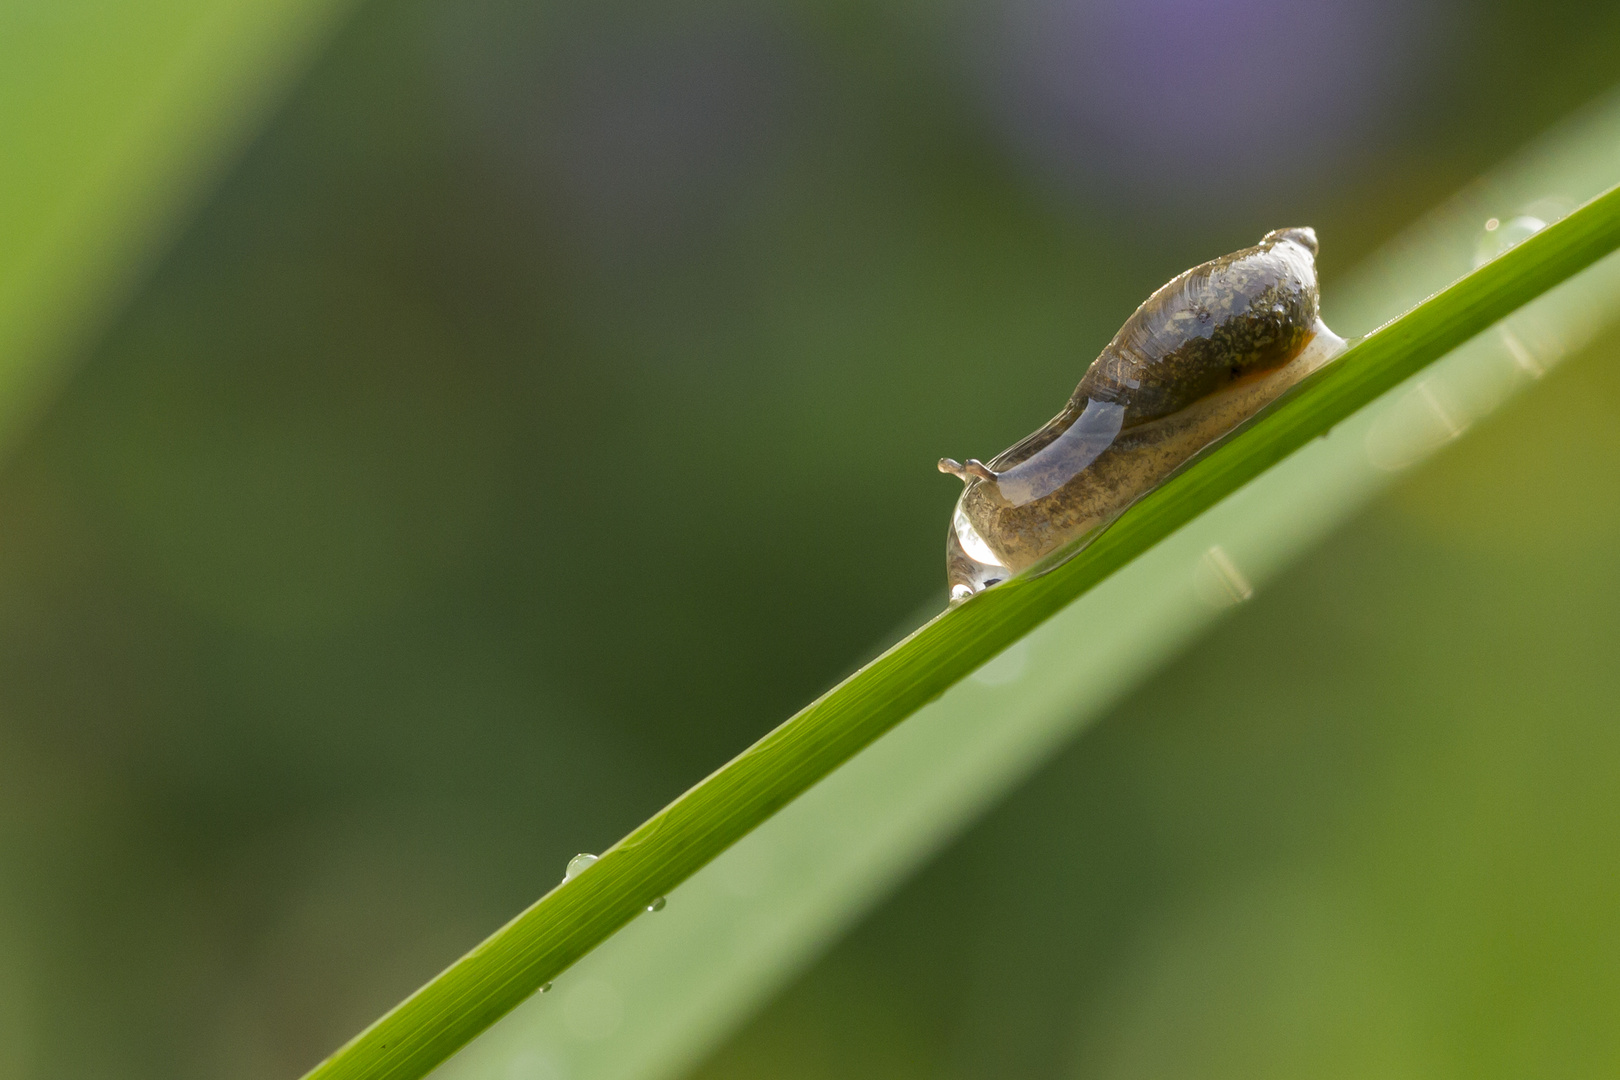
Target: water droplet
<point x="545" y="988"/>
<point x="1501" y="235"/>
<point x="1442" y="413"/>
<point x="577" y="865"/>
<point x="1220" y="580"/>
<point x="1415" y="425"/>
<point x="656" y="905"/>
<point x="1008" y="667"/>
<point x="1524" y="356"/>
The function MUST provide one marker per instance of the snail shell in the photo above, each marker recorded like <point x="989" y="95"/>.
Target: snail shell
<point x="1198" y="358"/>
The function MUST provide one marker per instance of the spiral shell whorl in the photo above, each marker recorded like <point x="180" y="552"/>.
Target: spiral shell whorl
<point x="1198" y="357"/>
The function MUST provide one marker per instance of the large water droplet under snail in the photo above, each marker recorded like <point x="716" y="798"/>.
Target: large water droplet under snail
<point x="1203" y="354"/>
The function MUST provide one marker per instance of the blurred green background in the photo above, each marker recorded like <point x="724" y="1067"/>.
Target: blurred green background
<point x="545" y="404"/>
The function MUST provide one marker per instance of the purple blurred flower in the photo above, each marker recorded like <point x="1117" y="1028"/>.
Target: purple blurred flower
<point x="1181" y="97"/>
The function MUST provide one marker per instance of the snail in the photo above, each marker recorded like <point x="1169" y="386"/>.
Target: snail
<point x="1202" y="355"/>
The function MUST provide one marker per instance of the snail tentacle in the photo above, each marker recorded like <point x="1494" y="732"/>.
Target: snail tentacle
<point x="1201" y="356"/>
<point x="972" y="469"/>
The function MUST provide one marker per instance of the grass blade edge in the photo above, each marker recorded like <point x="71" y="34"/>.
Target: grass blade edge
<point x="544" y="940"/>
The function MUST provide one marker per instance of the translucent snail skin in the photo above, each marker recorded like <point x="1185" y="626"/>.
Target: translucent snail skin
<point x="1202" y="355"/>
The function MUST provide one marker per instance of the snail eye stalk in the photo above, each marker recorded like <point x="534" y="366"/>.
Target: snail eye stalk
<point x="1201" y="356"/>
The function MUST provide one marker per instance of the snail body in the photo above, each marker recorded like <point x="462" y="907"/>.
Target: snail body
<point x="1201" y="355"/>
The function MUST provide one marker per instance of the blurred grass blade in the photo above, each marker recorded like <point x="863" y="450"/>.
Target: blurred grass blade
<point x="113" y="116"/>
<point x="740" y="928"/>
<point x="572" y="919"/>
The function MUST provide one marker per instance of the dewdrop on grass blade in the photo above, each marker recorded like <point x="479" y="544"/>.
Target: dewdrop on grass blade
<point x="577" y="865"/>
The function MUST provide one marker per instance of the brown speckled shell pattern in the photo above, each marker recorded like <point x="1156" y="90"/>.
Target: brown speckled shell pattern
<point x="1224" y="323"/>
<point x="1214" y="325"/>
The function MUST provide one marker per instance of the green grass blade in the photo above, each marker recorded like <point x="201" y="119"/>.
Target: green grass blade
<point x="573" y="918"/>
<point x="113" y="116"/>
<point x="652" y="1000"/>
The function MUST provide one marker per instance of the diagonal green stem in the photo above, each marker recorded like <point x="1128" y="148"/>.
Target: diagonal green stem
<point x="573" y="918"/>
